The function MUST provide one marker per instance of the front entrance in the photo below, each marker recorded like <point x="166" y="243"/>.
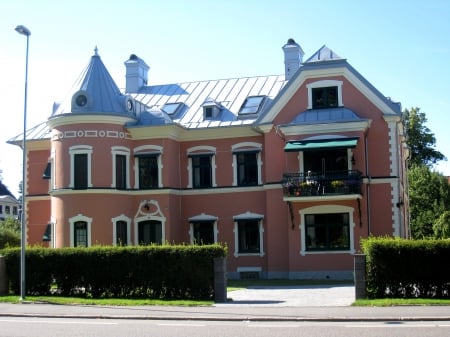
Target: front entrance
<point x="150" y="232"/>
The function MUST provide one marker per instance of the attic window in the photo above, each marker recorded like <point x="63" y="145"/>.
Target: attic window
<point x="325" y="94"/>
<point x="324" y="97"/>
<point x="251" y="105"/>
<point x="171" y="108"/>
<point x="211" y="109"/>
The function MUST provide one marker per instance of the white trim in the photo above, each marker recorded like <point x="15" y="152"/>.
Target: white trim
<point x="323" y="84"/>
<point x="236" y="235"/>
<point x="80" y="149"/>
<point x="76" y="218"/>
<point x="251" y="146"/>
<point x="324" y="209"/>
<point x="244" y="269"/>
<point x="308" y="129"/>
<point x="199" y="218"/>
<point x="150" y="214"/>
<point x="144" y="148"/>
<point x="120" y="150"/>
<point x="121" y="217"/>
<point x="201" y="148"/>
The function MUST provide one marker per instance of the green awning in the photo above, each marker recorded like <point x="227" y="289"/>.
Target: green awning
<point x="306" y="145"/>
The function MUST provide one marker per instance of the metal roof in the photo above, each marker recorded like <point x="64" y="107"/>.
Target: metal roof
<point x="228" y="95"/>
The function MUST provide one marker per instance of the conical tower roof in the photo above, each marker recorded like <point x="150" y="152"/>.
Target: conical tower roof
<point x="95" y="92"/>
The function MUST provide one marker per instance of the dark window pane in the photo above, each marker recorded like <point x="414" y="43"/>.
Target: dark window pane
<point x="327" y="231"/>
<point x="247" y="168"/>
<point x="150" y="232"/>
<point x="326" y="97"/>
<point x="121" y="171"/>
<point x="201" y="171"/>
<point x="148" y="172"/>
<point x="203" y="232"/>
<point x="248" y="236"/>
<point x="121" y="233"/>
<point x="80" y="235"/>
<point x="81" y="171"/>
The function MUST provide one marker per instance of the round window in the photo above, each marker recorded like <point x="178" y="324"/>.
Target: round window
<point x="81" y="100"/>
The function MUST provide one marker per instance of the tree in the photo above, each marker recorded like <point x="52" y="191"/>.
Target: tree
<point x="441" y="227"/>
<point x="429" y="197"/>
<point x="420" y="139"/>
<point x="9" y="233"/>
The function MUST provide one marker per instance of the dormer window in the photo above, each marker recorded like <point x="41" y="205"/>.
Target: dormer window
<point x="324" y="97"/>
<point x="325" y="94"/>
<point x="211" y="108"/>
<point x="171" y="108"/>
<point x="252" y="105"/>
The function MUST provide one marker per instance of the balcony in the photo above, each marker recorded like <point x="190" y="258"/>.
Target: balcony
<point x="332" y="183"/>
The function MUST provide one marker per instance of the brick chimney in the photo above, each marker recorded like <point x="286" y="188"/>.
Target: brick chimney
<point x="293" y="57"/>
<point x="136" y="74"/>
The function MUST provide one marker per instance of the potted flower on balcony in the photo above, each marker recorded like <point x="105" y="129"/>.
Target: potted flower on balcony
<point x="338" y="186"/>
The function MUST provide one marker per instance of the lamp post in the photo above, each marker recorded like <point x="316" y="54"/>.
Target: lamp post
<point x="24" y="31"/>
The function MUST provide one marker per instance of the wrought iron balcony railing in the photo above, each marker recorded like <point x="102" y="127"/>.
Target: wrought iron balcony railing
<point x="329" y="183"/>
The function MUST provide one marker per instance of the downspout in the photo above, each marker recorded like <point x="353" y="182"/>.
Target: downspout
<point x="366" y="157"/>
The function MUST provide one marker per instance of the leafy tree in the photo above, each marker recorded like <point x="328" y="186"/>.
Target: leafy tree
<point x="420" y="139"/>
<point x="429" y="197"/>
<point x="9" y="233"/>
<point x="441" y="227"/>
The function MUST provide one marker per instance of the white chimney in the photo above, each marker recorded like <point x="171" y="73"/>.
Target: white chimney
<point x="293" y="57"/>
<point x="136" y="74"/>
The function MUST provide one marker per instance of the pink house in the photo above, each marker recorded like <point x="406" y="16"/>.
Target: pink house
<point x="290" y="171"/>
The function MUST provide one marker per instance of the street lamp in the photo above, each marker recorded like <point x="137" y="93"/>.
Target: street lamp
<point x="24" y="31"/>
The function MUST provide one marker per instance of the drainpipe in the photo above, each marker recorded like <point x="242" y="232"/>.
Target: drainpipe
<point x="366" y="157"/>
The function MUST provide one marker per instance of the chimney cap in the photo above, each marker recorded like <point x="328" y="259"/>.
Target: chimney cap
<point x="291" y="41"/>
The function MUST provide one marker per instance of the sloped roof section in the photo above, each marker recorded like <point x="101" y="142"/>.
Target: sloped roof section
<point x="323" y="54"/>
<point x="332" y="115"/>
<point x="228" y="95"/>
<point x="94" y="92"/>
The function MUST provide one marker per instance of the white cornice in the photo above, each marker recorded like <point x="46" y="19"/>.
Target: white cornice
<point x="294" y="130"/>
<point x="70" y="119"/>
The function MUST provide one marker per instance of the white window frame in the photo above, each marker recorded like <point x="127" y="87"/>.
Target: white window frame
<point x="154" y="213"/>
<point x="76" y="218"/>
<point x="121" y="217"/>
<point x="150" y="150"/>
<point x="241" y="147"/>
<point x="80" y="149"/>
<point x="326" y="209"/>
<point x="199" y="150"/>
<point x="243" y="217"/>
<point x="120" y="150"/>
<point x="323" y="84"/>
<point x="200" y="218"/>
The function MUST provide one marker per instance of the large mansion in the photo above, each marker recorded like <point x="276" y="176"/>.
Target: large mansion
<point x="289" y="170"/>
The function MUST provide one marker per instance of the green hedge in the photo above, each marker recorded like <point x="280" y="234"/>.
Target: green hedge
<point x="407" y="268"/>
<point x="163" y="272"/>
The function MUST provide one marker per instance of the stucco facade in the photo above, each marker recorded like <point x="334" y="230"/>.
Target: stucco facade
<point x="290" y="173"/>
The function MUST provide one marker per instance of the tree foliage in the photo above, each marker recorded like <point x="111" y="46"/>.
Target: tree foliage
<point x="9" y="233"/>
<point x="421" y="141"/>
<point x="429" y="198"/>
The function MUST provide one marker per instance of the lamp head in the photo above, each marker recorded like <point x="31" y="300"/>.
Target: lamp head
<point x="23" y="30"/>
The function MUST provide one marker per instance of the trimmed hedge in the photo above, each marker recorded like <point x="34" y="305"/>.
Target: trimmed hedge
<point x="163" y="272"/>
<point x="400" y="268"/>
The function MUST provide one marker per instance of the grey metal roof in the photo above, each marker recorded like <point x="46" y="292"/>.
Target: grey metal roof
<point x="227" y="94"/>
<point x="323" y="54"/>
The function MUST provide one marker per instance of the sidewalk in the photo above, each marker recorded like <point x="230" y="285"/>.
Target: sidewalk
<point x="279" y="304"/>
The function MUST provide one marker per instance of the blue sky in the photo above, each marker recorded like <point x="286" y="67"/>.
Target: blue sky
<point x="402" y="47"/>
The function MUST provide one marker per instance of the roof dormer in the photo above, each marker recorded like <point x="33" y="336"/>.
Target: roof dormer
<point x="211" y="108"/>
